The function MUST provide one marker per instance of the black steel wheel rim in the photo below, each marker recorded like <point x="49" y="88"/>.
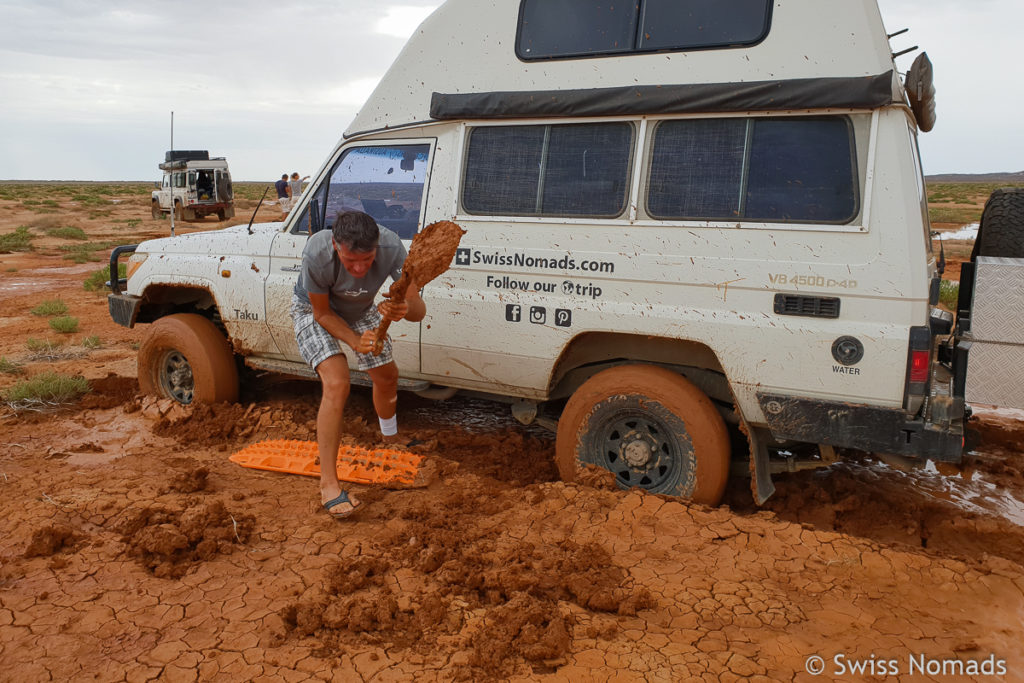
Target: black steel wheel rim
<point x="176" y="376"/>
<point x="641" y="449"/>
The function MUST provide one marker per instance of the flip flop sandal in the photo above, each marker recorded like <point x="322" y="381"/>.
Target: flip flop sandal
<point x="335" y="502"/>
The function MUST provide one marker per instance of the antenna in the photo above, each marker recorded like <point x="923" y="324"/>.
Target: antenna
<point x="172" y="175"/>
<point x="249" y="227"/>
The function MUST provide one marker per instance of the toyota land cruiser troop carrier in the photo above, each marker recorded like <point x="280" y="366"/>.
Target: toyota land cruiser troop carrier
<point x="694" y="231"/>
<point x="194" y="186"/>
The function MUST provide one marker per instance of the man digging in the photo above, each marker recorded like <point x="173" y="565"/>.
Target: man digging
<point x="342" y="271"/>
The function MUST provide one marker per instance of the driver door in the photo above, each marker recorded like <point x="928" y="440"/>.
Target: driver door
<point x="387" y="180"/>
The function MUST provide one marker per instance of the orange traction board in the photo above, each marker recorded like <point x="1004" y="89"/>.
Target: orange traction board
<point x="355" y="464"/>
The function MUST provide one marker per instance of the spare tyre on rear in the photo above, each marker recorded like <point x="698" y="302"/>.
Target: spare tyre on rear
<point x="1002" y="225"/>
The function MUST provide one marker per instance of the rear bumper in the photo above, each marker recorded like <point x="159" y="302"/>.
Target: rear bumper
<point x="862" y="427"/>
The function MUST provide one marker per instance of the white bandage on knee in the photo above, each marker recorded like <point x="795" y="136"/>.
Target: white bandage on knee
<point x="388" y="427"/>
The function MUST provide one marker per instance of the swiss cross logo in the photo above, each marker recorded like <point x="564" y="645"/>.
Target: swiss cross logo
<point x="462" y="257"/>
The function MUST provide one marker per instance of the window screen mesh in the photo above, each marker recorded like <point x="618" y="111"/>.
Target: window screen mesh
<point x="696" y="169"/>
<point x="574" y="28"/>
<point x="801" y="170"/>
<point x="667" y="24"/>
<point x="794" y="169"/>
<point x="568" y="170"/>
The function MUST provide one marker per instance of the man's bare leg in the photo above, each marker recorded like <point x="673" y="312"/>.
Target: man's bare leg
<point x="335" y="380"/>
<point x="385" y="394"/>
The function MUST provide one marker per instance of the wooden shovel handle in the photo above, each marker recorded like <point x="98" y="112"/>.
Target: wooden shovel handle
<point x="396" y="294"/>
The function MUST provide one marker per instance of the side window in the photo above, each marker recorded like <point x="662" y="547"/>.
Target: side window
<point x="548" y="170"/>
<point x="797" y="169"/>
<point x="179" y="180"/>
<point x="166" y="182"/>
<point x="577" y="28"/>
<point x="384" y="181"/>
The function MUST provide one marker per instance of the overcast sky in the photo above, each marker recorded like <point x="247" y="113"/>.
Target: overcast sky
<point x="87" y="87"/>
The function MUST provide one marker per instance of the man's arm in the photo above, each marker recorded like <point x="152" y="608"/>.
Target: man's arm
<point x="412" y="309"/>
<point x="337" y="327"/>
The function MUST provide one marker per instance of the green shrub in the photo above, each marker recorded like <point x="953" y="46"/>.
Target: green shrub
<point x="949" y="292"/>
<point x="96" y="281"/>
<point x="92" y="342"/>
<point x="85" y="251"/>
<point x="50" y="307"/>
<point x="19" y="240"/>
<point x="49" y="388"/>
<point x="68" y="233"/>
<point x="65" y="324"/>
<point x="10" y="367"/>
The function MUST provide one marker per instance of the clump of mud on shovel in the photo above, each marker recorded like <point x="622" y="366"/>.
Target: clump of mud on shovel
<point x="430" y="254"/>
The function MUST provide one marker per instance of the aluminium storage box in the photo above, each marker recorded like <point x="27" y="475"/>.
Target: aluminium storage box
<point x="995" y="366"/>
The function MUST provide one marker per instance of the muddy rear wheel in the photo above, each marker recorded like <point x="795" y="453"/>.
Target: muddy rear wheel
<point x="186" y="358"/>
<point x="651" y="428"/>
<point x="156" y="212"/>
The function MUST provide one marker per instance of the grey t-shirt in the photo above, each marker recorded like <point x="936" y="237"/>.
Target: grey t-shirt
<point x="350" y="297"/>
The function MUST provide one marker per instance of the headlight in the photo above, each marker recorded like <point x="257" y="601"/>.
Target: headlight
<point x="134" y="261"/>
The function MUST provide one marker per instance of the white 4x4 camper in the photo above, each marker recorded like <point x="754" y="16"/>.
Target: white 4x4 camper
<point x="695" y="231"/>
<point x="194" y="186"/>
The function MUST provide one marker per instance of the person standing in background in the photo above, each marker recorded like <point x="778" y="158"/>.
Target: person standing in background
<point x="295" y="189"/>
<point x="282" y="195"/>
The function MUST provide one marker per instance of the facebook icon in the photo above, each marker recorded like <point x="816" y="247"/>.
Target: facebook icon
<point x="513" y="313"/>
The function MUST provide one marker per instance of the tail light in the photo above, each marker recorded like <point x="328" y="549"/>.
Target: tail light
<point x="920" y="362"/>
<point x="919" y="365"/>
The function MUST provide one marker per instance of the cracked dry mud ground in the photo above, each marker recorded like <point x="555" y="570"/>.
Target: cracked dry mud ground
<point x="156" y="557"/>
<point x="131" y="549"/>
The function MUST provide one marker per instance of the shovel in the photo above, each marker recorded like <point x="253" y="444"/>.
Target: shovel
<point x="430" y="254"/>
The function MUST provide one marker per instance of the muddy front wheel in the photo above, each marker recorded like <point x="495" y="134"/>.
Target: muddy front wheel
<point x="186" y="358"/>
<point x="651" y="428"/>
<point x="156" y="212"/>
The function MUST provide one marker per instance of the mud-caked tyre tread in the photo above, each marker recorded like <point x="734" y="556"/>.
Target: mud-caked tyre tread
<point x="206" y="349"/>
<point x="703" y="424"/>
<point x="1002" y="224"/>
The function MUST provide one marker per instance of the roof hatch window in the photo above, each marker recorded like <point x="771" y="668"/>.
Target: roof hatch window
<point x="578" y="28"/>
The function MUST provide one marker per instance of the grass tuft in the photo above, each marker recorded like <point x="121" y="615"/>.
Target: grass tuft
<point x="50" y="307"/>
<point x="85" y="251"/>
<point x="949" y="293"/>
<point x="65" y="324"/>
<point x="19" y="240"/>
<point x="68" y="232"/>
<point x="10" y="367"/>
<point x="91" y="342"/>
<point x="96" y="281"/>
<point x="47" y="390"/>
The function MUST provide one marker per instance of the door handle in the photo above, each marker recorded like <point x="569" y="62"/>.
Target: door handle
<point x="292" y="269"/>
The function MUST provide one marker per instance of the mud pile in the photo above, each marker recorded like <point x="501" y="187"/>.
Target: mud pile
<point x="440" y="580"/>
<point x="168" y="541"/>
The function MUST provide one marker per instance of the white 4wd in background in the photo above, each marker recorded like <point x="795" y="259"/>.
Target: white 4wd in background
<point x="195" y="186"/>
<point x="691" y="240"/>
